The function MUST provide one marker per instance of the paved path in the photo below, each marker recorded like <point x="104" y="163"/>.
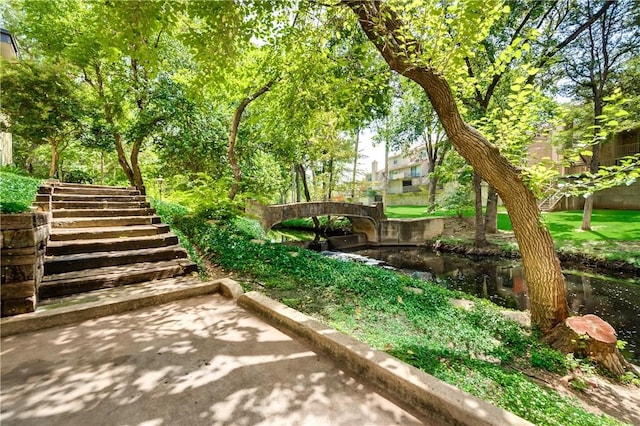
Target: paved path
<point x="199" y="361"/>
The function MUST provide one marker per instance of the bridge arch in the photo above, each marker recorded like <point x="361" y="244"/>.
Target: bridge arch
<point x="364" y="219"/>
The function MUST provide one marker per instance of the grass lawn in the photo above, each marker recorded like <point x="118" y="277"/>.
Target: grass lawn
<point x="412" y="212"/>
<point x="615" y="234"/>
<point x="606" y="225"/>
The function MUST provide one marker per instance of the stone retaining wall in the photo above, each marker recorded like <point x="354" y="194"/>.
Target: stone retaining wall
<point x="23" y="241"/>
<point x="410" y="231"/>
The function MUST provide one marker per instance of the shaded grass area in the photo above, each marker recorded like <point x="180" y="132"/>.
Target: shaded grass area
<point x="478" y="350"/>
<point x="17" y="192"/>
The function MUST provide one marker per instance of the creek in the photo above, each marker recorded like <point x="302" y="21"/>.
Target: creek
<point x="500" y="280"/>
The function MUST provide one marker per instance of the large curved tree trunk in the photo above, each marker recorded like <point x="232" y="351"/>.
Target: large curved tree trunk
<point x="542" y="268"/>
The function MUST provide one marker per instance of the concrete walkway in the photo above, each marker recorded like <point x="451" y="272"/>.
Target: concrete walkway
<point x="175" y="352"/>
<point x="202" y="360"/>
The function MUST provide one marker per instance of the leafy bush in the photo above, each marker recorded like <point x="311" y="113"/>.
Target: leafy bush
<point x="170" y="212"/>
<point x="78" y="176"/>
<point x="458" y="201"/>
<point x="17" y="192"/>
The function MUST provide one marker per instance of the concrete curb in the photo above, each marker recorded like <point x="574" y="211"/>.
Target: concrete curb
<point x="435" y="401"/>
<point x="79" y="312"/>
<point x="230" y="288"/>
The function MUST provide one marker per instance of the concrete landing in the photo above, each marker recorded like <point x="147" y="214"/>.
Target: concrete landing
<point x="180" y="351"/>
<point x="202" y="360"/>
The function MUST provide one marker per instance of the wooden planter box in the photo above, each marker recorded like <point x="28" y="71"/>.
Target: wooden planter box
<point x="23" y="240"/>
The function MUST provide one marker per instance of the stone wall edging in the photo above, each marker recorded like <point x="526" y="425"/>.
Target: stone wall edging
<point x="432" y="399"/>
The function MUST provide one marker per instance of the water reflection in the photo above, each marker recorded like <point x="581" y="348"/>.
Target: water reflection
<point x="502" y="281"/>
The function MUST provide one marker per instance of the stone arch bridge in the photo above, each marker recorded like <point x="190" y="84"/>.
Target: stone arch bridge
<point x="364" y="219"/>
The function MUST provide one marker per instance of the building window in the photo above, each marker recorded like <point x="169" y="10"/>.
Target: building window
<point x="415" y="172"/>
<point x="406" y="182"/>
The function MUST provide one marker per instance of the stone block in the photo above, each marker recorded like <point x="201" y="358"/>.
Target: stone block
<point x="18" y="306"/>
<point x="24" y="220"/>
<point x="24" y="240"/>
<point x="17" y="290"/>
<point x="17" y="273"/>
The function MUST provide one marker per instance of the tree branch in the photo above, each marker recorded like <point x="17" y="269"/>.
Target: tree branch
<point x="546" y="56"/>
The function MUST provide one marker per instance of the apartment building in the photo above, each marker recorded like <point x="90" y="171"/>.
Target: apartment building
<point x="623" y="144"/>
<point x="408" y="176"/>
<point x="8" y="50"/>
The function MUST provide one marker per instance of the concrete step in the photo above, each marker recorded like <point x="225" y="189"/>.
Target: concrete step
<point x="93" y="205"/>
<point x="88" y="190"/>
<point x="89" y="197"/>
<point x="96" y="213"/>
<point x="56" y="248"/>
<point x="97" y="233"/>
<point x="75" y="262"/>
<point x="85" y="186"/>
<point x="89" y="222"/>
<point x="112" y="276"/>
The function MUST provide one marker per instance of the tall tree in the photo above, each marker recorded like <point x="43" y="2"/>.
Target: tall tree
<point x="43" y="105"/>
<point x="524" y="40"/>
<point x="400" y="40"/>
<point x="116" y="48"/>
<point x="591" y="63"/>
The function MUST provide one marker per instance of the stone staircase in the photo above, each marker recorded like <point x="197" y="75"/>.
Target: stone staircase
<point x="105" y="237"/>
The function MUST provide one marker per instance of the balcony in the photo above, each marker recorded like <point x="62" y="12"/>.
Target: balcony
<point x="627" y="149"/>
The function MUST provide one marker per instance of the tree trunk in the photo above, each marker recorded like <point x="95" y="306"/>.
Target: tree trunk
<point x="330" y="189"/>
<point x="591" y="337"/>
<point x="307" y="196"/>
<point x="135" y="167"/>
<point x="542" y="267"/>
<point x="433" y="187"/>
<point x="233" y="135"/>
<point x="122" y="159"/>
<point x="355" y="166"/>
<point x="481" y="236"/>
<point x="594" y="164"/>
<point x="491" y="214"/>
<point x="385" y="184"/>
<point x="586" y="214"/>
<point x="55" y="157"/>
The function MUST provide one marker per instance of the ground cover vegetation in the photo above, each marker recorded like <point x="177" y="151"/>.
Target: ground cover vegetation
<point x="479" y="350"/>
<point x="226" y="101"/>
<point x="17" y="192"/>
